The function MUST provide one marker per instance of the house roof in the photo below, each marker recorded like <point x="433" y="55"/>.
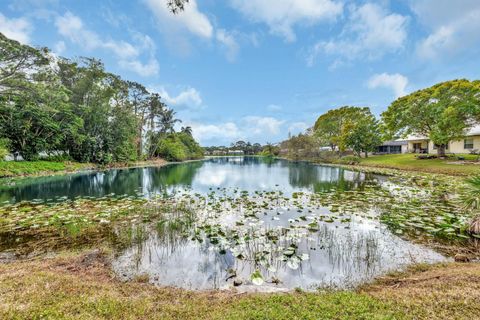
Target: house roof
<point x="474" y="131"/>
<point x="394" y="143"/>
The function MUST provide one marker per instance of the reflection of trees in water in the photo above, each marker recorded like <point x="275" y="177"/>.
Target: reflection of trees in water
<point x="304" y="175"/>
<point x="245" y="161"/>
<point x="98" y="184"/>
<point x="171" y="175"/>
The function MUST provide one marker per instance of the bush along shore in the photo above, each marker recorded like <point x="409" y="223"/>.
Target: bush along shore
<point x="12" y="169"/>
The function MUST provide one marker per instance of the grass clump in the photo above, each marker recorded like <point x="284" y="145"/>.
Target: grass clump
<point x="24" y="168"/>
<point x="409" y="162"/>
<point x="81" y="286"/>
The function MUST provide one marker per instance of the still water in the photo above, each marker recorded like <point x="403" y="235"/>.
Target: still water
<point x="279" y="241"/>
<point x="246" y="173"/>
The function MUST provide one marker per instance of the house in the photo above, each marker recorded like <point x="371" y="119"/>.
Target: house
<point x="392" y="147"/>
<point x="418" y="144"/>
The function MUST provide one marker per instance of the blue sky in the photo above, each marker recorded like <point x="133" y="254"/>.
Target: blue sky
<point x="259" y="69"/>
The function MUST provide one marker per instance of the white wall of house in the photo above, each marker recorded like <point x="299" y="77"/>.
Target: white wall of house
<point x="464" y="146"/>
<point x="460" y="146"/>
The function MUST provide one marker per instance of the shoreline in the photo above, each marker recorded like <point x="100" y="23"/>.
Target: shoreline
<point x="89" y="167"/>
<point x="380" y="169"/>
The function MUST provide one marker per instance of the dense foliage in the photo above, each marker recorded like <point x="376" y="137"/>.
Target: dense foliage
<point x="246" y="147"/>
<point x="443" y="112"/>
<point x="347" y="127"/>
<point x="3" y="148"/>
<point x="177" y="147"/>
<point x="54" y="105"/>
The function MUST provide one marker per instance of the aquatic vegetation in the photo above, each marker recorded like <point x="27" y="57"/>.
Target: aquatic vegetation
<point x="260" y="235"/>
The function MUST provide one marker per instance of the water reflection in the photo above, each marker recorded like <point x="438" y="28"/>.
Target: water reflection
<point x="340" y="255"/>
<point x="246" y="173"/>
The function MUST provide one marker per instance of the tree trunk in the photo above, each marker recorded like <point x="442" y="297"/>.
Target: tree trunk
<point x="366" y="154"/>
<point x="441" y="151"/>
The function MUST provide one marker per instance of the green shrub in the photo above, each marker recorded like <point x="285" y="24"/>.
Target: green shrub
<point x="172" y="149"/>
<point x="328" y="156"/>
<point x="176" y="147"/>
<point x="3" y="149"/>
<point x="194" y="151"/>
<point x="349" y="160"/>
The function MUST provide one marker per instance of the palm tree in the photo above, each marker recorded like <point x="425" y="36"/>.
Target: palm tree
<point x="167" y="121"/>
<point x="187" y="130"/>
<point x="156" y="109"/>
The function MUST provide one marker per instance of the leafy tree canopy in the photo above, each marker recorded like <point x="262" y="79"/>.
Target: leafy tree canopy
<point x="334" y="128"/>
<point x="443" y="112"/>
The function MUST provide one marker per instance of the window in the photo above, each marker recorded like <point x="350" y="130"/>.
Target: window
<point x="468" y="143"/>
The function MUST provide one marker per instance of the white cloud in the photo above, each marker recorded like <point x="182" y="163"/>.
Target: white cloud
<point x="16" y="28"/>
<point x="223" y="132"/>
<point x="297" y="127"/>
<point x="282" y="15"/>
<point x="71" y="27"/>
<point x="274" y="107"/>
<point x="60" y="47"/>
<point x="396" y="82"/>
<point x="262" y="125"/>
<point x="191" y="19"/>
<point x="370" y="33"/>
<point x="231" y="45"/>
<point x="250" y="128"/>
<point x="144" y="69"/>
<point x="189" y="98"/>
<point x="454" y="26"/>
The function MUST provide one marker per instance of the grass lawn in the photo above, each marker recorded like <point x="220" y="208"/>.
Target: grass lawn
<point x="24" y="168"/>
<point x="73" y="286"/>
<point x="409" y="162"/>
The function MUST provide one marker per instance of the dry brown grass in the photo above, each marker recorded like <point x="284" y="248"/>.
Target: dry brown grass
<point x="81" y="286"/>
<point x="445" y="291"/>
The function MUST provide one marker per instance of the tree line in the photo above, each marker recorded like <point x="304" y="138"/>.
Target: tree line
<point x="246" y="147"/>
<point x="441" y="113"/>
<point x="55" y="105"/>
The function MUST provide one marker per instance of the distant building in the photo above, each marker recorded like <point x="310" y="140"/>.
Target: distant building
<point x="419" y="144"/>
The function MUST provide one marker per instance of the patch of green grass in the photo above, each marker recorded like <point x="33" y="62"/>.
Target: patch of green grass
<point x="66" y="287"/>
<point x="409" y="162"/>
<point x="24" y="168"/>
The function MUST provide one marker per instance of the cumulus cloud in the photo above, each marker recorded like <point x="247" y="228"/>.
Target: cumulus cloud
<point x="189" y="98"/>
<point x="72" y="28"/>
<point x="222" y="132"/>
<point x="453" y="26"/>
<point x="395" y="82"/>
<point x="191" y="19"/>
<point x="16" y="28"/>
<point x="262" y="125"/>
<point x="274" y="107"/>
<point x="281" y="16"/>
<point x="297" y="127"/>
<point x="369" y="33"/>
<point x="251" y="128"/>
<point x="229" y="42"/>
<point x="60" y="47"/>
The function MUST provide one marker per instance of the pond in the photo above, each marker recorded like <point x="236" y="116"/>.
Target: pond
<point x="250" y="222"/>
<point x="246" y="173"/>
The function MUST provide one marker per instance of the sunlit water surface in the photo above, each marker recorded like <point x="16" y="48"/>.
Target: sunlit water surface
<point x="343" y="252"/>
